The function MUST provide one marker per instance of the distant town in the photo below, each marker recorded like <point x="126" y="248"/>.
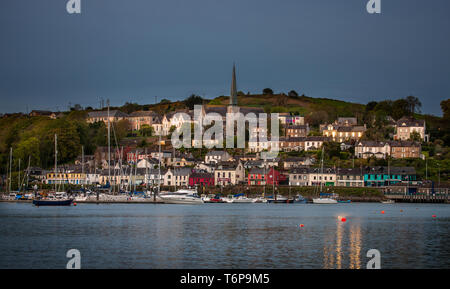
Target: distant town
<point x="346" y="152"/>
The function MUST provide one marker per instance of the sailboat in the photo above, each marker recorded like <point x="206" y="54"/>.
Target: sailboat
<point x="59" y="198"/>
<point x="324" y="198"/>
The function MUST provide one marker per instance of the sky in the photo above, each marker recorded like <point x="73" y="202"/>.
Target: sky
<point x="134" y="50"/>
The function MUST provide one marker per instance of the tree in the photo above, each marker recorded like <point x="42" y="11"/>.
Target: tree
<point x="267" y="91"/>
<point x="414" y="104"/>
<point x="146" y="130"/>
<point x="28" y="148"/>
<point x="415" y="136"/>
<point x="400" y="108"/>
<point x="193" y="100"/>
<point x="371" y="105"/>
<point x="293" y="93"/>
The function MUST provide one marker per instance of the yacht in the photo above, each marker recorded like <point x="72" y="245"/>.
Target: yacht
<point x="239" y="198"/>
<point x="325" y="198"/>
<point x="279" y="200"/>
<point x="388" y="202"/>
<point x="181" y="197"/>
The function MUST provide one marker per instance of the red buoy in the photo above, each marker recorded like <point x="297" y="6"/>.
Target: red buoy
<point x="382" y="212"/>
<point x="434" y="216"/>
<point x="301" y="225"/>
<point x="74" y="204"/>
<point x="343" y="219"/>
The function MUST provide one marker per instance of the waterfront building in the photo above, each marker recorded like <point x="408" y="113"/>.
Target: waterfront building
<point x="229" y="173"/>
<point x="177" y="177"/>
<point x="384" y="176"/>
<point x="256" y="177"/>
<point x="350" y="177"/>
<point x="394" y="149"/>
<point x="275" y="176"/>
<point x="327" y="177"/>
<point x="201" y="179"/>
<point x="299" y="176"/>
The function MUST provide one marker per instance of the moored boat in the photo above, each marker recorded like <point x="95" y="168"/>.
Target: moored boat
<point x="52" y="202"/>
<point x="181" y="197"/>
<point x="388" y="202"/>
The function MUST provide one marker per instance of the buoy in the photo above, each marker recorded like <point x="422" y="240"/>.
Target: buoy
<point x="301" y="225"/>
<point x="74" y="204"/>
<point x="434" y="216"/>
<point x="343" y="219"/>
<point x="382" y="212"/>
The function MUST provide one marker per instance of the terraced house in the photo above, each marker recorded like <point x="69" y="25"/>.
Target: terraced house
<point x="384" y="176"/>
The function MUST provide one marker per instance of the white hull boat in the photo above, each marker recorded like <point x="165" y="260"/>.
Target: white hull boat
<point x="181" y="197"/>
<point x="324" y="201"/>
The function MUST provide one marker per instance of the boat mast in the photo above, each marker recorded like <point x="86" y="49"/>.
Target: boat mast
<point x="109" y="152"/>
<point x="10" y="169"/>
<point x="56" y="158"/>
<point x="159" y="168"/>
<point x="82" y="164"/>
<point x="321" y="170"/>
<point x="146" y="170"/>
<point x="18" y="178"/>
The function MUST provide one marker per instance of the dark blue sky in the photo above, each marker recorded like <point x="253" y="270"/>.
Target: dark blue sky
<point x="132" y="50"/>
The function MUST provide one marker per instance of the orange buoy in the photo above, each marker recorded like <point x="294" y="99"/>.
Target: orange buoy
<point x="401" y="210"/>
<point x="382" y="212"/>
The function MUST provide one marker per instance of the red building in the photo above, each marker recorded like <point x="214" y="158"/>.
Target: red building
<point x="201" y="179"/>
<point x="274" y="175"/>
<point x="256" y="177"/>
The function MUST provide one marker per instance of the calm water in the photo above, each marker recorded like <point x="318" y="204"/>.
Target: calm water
<point x="225" y="235"/>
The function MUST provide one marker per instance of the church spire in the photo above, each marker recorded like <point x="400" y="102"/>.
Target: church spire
<point x="233" y="95"/>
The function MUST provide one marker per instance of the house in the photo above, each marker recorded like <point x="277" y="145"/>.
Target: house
<point x="202" y="179"/>
<point x="314" y="142"/>
<point x="286" y="119"/>
<point x="114" y="116"/>
<point x="297" y="131"/>
<point x="394" y="149"/>
<point x="295" y="162"/>
<point x="407" y="125"/>
<point x="147" y="163"/>
<point x="139" y="118"/>
<point x="405" y="149"/>
<point x="275" y="177"/>
<point x="325" y="177"/>
<point x="256" y="177"/>
<point x="343" y="133"/>
<point x="350" y="177"/>
<point x="299" y="176"/>
<point x="347" y="121"/>
<point x="177" y="177"/>
<point x="66" y="177"/>
<point x="217" y="156"/>
<point x="153" y="177"/>
<point x="377" y="149"/>
<point x="385" y="176"/>
<point x="229" y="173"/>
<point x="50" y="114"/>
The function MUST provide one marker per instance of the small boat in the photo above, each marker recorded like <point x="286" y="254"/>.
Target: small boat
<point x="211" y="198"/>
<point x="325" y="198"/>
<point x="181" y="197"/>
<point x="299" y="199"/>
<point x="279" y="200"/>
<point x="52" y="202"/>
<point x="238" y="198"/>
<point x="344" y="201"/>
<point x="259" y="200"/>
<point x="388" y="202"/>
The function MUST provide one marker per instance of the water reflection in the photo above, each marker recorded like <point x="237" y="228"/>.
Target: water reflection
<point x="342" y="246"/>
